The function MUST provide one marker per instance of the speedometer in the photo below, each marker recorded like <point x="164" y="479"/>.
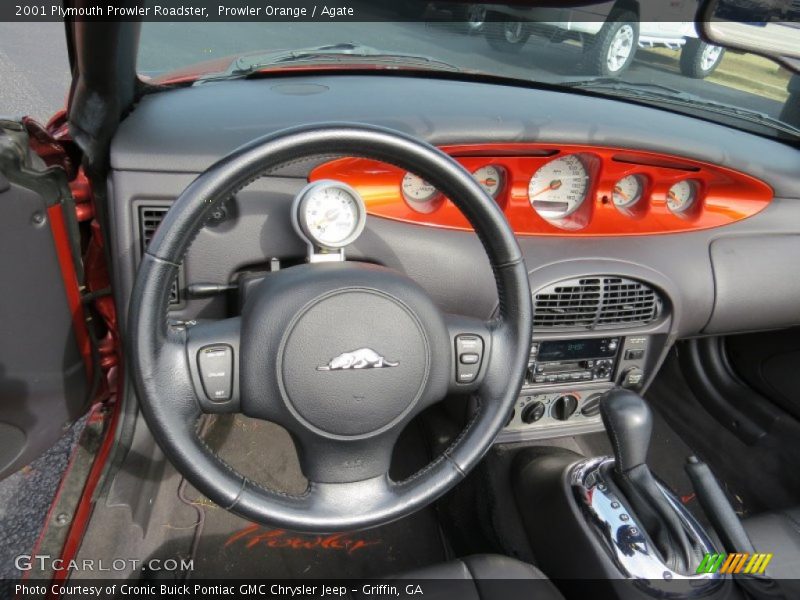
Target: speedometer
<point x="559" y="187"/>
<point x="329" y="214"/>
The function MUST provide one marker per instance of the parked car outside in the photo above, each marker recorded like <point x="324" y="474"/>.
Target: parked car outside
<point x="610" y="33"/>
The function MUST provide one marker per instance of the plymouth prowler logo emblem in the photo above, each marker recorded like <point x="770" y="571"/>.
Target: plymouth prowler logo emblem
<point x="363" y="358"/>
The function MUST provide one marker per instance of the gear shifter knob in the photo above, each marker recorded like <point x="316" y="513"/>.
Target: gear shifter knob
<point x="629" y="423"/>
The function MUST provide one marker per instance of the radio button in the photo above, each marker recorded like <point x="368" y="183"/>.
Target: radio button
<point x="602" y="370"/>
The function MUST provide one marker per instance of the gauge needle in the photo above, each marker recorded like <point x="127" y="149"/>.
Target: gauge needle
<point x="618" y="190"/>
<point x="554" y="185"/>
<point x="329" y="216"/>
<point x="671" y="195"/>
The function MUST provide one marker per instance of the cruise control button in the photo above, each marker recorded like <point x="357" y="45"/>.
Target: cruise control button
<point x="469" y="354"/>
<point x="215" y="364"/>
<point x="469" y="359"/>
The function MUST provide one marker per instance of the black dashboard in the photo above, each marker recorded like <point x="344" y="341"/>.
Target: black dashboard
<point x="740" y="277"/>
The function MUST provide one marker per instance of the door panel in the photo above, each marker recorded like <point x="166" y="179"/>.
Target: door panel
<point x="43" y="369"/>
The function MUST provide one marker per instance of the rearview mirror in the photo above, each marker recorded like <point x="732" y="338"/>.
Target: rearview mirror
<point x="767" y="27"/>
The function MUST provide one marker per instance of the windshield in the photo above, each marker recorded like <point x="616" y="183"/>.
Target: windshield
<point x="662" y="63"/>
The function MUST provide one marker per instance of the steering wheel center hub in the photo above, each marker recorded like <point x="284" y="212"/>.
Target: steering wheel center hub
<point x="347" y="350"/>
<point x="353" y="362"/>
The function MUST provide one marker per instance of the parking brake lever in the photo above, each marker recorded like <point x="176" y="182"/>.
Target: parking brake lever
<point x="726" y="523"/>
<point x="723" y="518"/>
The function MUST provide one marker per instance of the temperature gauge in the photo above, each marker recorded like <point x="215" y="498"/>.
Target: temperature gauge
<point x="628" y="191"/>
<point x="681" y="196"/>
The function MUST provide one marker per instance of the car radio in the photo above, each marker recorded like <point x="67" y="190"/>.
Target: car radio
<point x="566" y="379"/>
<point x="574" y="361"/>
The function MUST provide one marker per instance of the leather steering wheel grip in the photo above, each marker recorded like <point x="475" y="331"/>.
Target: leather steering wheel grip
<point x="157" y="353"/>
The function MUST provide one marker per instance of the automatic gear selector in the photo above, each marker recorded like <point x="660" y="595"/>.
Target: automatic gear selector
<point x="610" y="518"/>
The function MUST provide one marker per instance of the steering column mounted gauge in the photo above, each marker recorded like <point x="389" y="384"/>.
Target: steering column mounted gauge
<point x="328" y="215"/>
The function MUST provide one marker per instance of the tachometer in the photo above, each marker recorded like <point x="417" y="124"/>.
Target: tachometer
<point x="681" y="196"/>
<point x="627" y="191"/>
<point x="329" y="214"/>
<point x="417" y="190"/>
<point x="559" y="187"/>
<point x="490" y="179"/>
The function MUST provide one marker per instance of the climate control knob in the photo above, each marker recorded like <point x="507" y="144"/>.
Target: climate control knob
<point x="532" y="412"/>
<point x="564" y="407"/>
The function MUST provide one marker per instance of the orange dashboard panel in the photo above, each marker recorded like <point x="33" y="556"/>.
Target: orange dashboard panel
<point x="547" y="189"/>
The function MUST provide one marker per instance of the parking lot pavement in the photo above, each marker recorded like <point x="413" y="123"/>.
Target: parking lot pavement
<point x="34" y="70"/>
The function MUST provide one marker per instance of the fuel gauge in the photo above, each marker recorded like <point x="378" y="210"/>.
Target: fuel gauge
<point x="490" y="178"/>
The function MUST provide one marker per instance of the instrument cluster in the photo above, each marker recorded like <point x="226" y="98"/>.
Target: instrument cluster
<point x="557" y="190"/>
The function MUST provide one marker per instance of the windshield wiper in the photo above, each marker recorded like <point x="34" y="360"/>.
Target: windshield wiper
<point x="342" y="53"/>
<point x="663" y="94"/>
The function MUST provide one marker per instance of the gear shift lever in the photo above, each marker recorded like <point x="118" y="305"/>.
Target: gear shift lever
<point x="629" y="424"/>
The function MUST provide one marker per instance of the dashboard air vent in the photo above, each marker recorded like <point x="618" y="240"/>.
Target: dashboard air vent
<point x="595" y="302"/>
<point x="150" y="218"/>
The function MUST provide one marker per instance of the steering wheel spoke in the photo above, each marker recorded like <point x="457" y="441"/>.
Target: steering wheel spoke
<point x="330" y="460"/>
<point x="212" y="355"/>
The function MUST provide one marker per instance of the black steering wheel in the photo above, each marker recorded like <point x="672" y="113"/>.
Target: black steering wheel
<point x="344" y="421"/>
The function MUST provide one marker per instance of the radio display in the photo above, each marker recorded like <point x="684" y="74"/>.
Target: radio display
<point x="575" y="349"/>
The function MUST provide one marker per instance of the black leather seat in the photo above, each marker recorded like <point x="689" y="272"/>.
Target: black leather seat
<point x="481" y="577"/>
<point x="778" y="533"/>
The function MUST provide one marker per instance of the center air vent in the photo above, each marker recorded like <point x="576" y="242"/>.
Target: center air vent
<point x="150" y="218"/>
<point x="595" y="302"/>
